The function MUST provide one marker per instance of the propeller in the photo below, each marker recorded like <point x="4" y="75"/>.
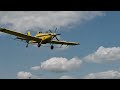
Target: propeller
<point x="55" y="36"/>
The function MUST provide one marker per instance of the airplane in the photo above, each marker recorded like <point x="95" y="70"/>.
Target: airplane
<point x="39" y="39"/>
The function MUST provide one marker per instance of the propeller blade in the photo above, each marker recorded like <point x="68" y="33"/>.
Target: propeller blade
<point x="58" y="34"/>
<point x="55" y="30"/>
<point x="57" y="38"/>
<point x="50" y="30"/>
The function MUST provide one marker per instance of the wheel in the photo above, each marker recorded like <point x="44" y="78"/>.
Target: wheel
<point x="39" y="45"/>
<point x="52" y="47"/>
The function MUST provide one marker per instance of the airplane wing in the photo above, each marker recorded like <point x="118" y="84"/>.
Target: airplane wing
<point x="64" y="42"/>
<point x="18" y="34"/>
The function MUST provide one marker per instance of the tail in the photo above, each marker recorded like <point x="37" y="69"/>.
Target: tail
<point x="28" y="33"/>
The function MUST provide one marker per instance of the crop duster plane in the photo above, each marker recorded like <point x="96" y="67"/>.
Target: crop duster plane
<point x="39" y="39"/>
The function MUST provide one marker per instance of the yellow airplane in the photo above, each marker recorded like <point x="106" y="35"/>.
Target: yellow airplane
<point x="40" y="38"/>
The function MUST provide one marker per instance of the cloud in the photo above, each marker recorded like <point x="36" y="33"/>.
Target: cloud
<point x="67" y="77"/>
<point x="29" y="75"/>
<point x="104" y="54"/>
<point x="36" y="20"/>
<point x="35" y="68"/>
<point x="59" y="64"/>
<point x="111" y="74"/>
<point x="24" y="75"/>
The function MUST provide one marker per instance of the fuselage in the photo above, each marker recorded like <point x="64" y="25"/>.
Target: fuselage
<point x="45" y="37"/>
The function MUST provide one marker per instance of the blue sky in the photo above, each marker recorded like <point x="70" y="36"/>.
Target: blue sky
<point x="97" y="56"/>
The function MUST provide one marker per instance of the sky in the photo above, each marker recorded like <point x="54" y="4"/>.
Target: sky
<point x="97" y="56"/>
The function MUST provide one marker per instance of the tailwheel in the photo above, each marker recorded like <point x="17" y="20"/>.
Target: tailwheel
<point x="52" y="47"/>
<point x="27" y="41"/>
<point x="26" y="45"/>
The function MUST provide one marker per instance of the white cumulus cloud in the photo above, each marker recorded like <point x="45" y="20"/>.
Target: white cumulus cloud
<point x="24" y="75"/>
<point x="104" y="54"/>
<point x="59" y="64"/>
<point x="28" y="75"/>
<point x="33" y="20"/>
<point x="111" y="74"/>
<point x="35" y="68"/>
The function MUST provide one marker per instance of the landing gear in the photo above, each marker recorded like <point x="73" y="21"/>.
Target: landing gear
<point x="39" y="45"/>
<point x="52" y="47"/>
<point x="27" y="41"/>
<point x="26" y="45"/>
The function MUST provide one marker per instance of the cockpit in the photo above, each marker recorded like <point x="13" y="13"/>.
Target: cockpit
<point x="40" y="32"/>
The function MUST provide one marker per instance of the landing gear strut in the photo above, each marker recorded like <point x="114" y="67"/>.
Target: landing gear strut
<point x="39" y="44"/>
<point x="52" y="47"/>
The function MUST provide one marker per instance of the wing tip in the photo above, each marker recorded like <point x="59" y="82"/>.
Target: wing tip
<point x="77" y="43"/>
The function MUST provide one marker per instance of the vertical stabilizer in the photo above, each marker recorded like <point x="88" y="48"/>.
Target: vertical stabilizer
<point x="28" y="33"/>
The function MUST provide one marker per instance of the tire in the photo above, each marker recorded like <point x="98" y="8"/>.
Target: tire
<point x="39" y="45"/>
<point x="52" y="47"/>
